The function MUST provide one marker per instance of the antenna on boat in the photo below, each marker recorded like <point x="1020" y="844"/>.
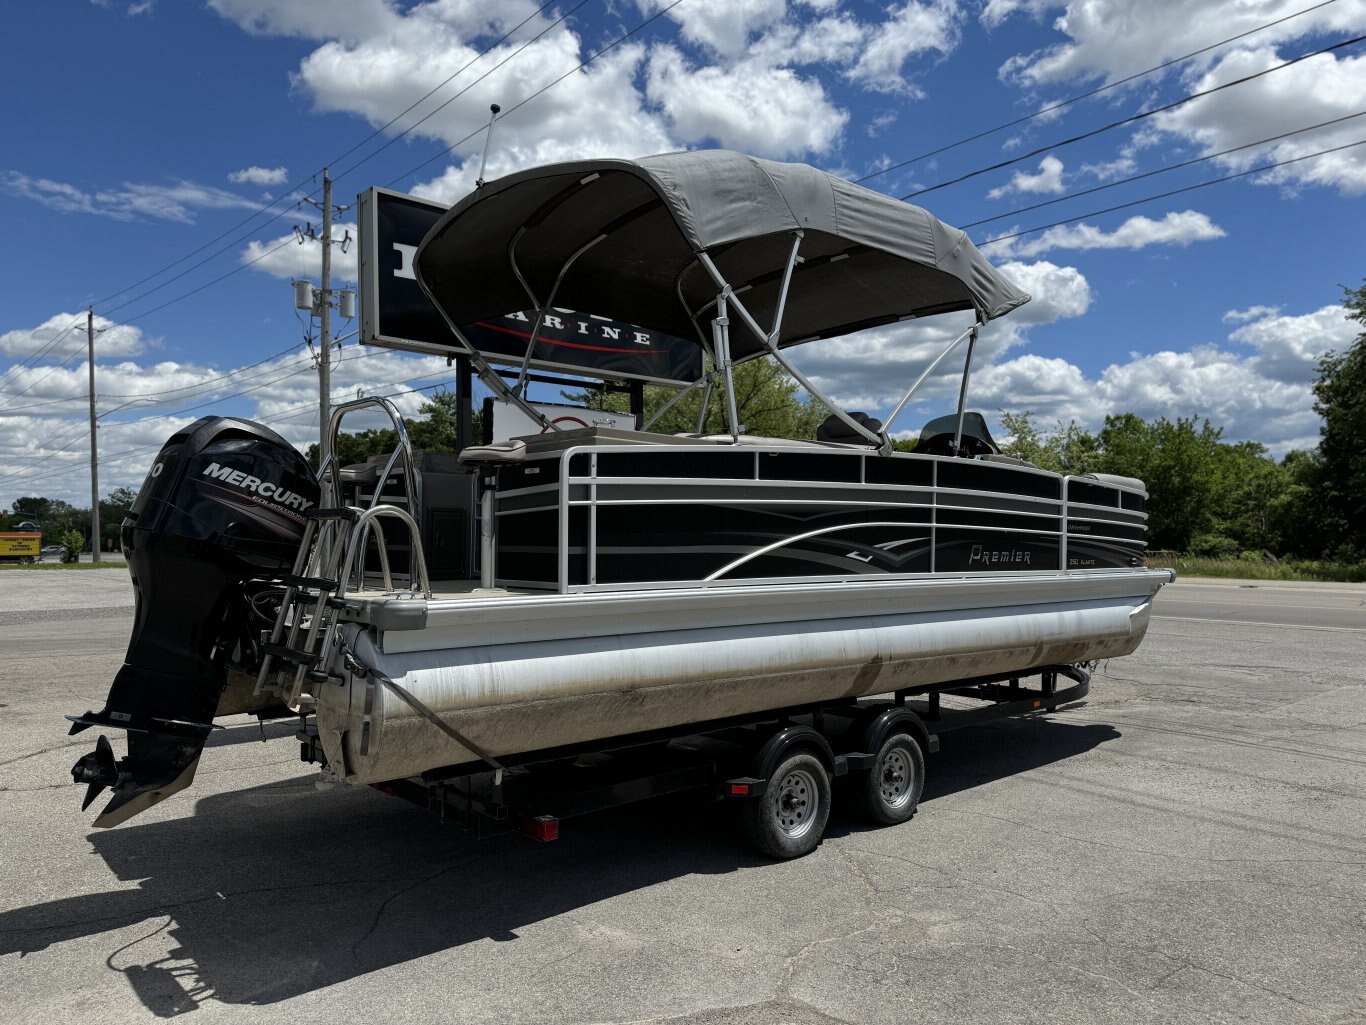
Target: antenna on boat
<point x="488" y="142"/>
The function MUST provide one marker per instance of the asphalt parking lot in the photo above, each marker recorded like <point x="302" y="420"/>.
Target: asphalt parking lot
<point x="1187" y="846"/>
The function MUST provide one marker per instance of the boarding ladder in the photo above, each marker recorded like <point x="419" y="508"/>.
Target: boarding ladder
<point x="331" y="557"/>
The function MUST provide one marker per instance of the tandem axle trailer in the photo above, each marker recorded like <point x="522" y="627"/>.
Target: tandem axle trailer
<point x="780" y="766"/>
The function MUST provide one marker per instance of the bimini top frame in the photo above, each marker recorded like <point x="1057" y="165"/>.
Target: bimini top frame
<point x="670" y="241"/>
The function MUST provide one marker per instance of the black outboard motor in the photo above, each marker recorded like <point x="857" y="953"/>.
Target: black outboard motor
<point x="224" y="502"/>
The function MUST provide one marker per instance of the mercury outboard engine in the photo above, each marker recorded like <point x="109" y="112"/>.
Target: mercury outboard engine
<point x="224" y="503"/>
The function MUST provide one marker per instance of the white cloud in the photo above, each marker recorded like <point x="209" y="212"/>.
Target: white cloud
<point x="872" y="369"/>
<point x="175" y="201"/>
<point x="68" y="332"/>
<point x="288" y="258"/>
<point x="1289" y="347"/>
<point x="1251" y="313"/>
<point x="1110" y="39"/>
<point x="1178" y="229"/>
<point x="1106" y="40"/>
<point x="914" y="28"/>
<point x="308" y="19"/>
<point x="782" y="115"/>
<point x="722" y="26"/>
<point x="43" y="448"/>
<point x="1047" y="181"/>
<point x="1312" y="92"/>
<point x="1055" y="292"/>
<point x="594" y="112"/>
<point x="997" y="11"/>
<point x="259" y="175"/>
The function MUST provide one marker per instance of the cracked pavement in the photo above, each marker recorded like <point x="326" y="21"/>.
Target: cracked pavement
<point x="1188" y="846"/>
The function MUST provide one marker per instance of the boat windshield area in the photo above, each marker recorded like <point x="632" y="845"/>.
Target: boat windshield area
<point x="955" y="434"/>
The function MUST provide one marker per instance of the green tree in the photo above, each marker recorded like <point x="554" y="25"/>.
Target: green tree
<point x="1250" y="483"/>
<point x="1298" y="515"/>
<point x="113" y="508"/>
<point x="1179" y="462"/>
<point x="432" y="430"/>
<point x="1064" y="449"/>
<point x="768" y="402"/>
<point x="1340" y="395"/>
<point x="53" y="516"/>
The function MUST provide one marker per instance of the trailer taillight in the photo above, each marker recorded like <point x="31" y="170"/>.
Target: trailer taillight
<point x="541" y="827"/>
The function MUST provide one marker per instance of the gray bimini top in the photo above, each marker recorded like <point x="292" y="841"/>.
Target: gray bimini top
<point x="866" y="259"/>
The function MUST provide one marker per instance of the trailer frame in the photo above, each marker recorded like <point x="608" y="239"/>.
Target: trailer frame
<point x="532" y="794"/>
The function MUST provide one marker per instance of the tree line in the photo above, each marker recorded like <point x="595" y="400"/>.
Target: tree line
<point x="1216" y="498"/>
<point x="56" y="519"/>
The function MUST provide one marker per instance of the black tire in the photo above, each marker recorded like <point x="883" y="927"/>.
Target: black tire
<point x="889" y="792"/>
<point x="789" y="820"/>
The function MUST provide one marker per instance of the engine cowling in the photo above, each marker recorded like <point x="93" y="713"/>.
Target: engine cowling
<point x="225" y="502"/>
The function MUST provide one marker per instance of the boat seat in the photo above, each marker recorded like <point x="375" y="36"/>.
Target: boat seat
<point x="835" y="429"/>
<point x="558" y="441"/>
<point x="359" y="473"/>
<point x="1117" y="480"/>
<point x="503" y="452"/>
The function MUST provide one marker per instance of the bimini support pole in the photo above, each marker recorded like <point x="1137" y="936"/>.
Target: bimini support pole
<point x="672" y="402"/>
<point x="887" y="424"/>
<point x="486" y="373"/>
<point x="770" y="343"/>
<point x="720" y="340"/>
<point x="706" y="401"/>
<point x="541" y="308"/>
<point x="963" y="389"/>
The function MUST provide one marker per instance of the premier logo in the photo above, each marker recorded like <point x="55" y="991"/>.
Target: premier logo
<point x="989" y="557"/>
<point x="263" y="488"/>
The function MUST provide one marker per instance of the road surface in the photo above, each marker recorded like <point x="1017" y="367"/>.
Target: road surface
<point x="1188" y="846"/>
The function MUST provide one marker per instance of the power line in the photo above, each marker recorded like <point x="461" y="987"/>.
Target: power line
<point x="1094" y="92"/>
<point x="1160" y="170"/>
<point x="442" y="106"/>
<point x="274" y="418"/>
<point x="128" y="423"/>
<point x="1175" y="192"/>
<point x="208" y="284"/>
<point x="503" y="116"/>
<point x="29" y="387"/>
<point x="201" y="386"/>
<point x="1132" y="118"/>
<point x="291" y="191"/>
<point x="33" y="359"/>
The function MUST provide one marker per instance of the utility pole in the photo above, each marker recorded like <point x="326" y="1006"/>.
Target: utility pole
<point x="94" y="458"/>
<point x="325" y="328"/>
<point x="319" y="304"/>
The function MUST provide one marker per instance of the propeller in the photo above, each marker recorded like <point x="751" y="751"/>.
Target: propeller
<point x="98" y="768"/>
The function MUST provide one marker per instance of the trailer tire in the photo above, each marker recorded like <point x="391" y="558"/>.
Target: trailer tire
<point x="788" y="821"/>
<point x="888" y="793"/>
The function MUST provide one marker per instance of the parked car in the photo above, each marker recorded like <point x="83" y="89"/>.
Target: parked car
<point x="51" y="551"/>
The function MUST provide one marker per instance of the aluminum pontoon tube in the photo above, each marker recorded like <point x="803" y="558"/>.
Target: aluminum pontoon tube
<point x="521" y="696"/>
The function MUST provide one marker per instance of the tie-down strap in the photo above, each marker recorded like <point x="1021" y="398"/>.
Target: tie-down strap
<point x="360" y="669"/>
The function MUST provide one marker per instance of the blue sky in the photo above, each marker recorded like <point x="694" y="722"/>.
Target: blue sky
<point x="151" y="134"/>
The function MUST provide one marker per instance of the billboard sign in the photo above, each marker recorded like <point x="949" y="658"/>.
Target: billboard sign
<point x="395" y="313"/>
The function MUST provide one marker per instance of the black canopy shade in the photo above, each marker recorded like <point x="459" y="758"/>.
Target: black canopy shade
<point x="867" y="259"/>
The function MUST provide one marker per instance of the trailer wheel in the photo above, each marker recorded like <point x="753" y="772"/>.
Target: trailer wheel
<point x="789" y="820"/>
<point x="889" y="792"/>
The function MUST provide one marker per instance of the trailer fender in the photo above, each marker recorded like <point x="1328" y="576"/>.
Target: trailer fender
<point x="774" y="750"/>
<point x="898" y="719"/>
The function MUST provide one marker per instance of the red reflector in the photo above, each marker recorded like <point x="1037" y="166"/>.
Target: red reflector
<point x="543" y="827"/>
<point x="1038" y="704"/>
<point x="739" y="788"/>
